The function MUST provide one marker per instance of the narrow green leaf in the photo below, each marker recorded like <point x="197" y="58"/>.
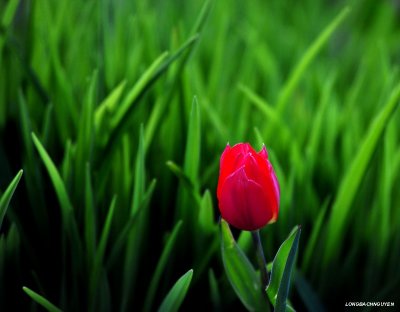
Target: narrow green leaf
<point x="85" y="138"/>
<point x="240" y="272"/>
<point x="307" y="58"/>
<point x="107" y="107"/>
<point x="162" y="262"/>
<point x="174" y="298"/>
<point x="134" y="93"/>
<point x="119" y="128"/>
<point x="206" y="213"/>
<point x="353" y="177"/>
<point x="68" y="218"/>
<point x="162" y="105"/>
<point x="278" y="287"/>
<point x="55" y="177"/>
<point x="193" y="144"/>
<point x="140" y="174"/>
<point x="9" y="13"/>
<point x="7" y="195"/>
<point x="41" y="300"/>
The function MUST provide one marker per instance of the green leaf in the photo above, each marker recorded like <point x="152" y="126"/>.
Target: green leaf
<point x="161" y="266"/>
<point x="41" y="300"/>
<point x="58" y="183"/>
<point x="134" y="93"/>
<point x="278" y="287"/>
<point x="206" y="213"/>
<point x="193" y="144"/>
<point x="140" y="174"/>
<point x="308" y="57"/>
<point x="240" y="272"/>
<point x="353" y="177"/>
<point x="7" y="195"/>
<point x="174" y="298"/>
<point x="67" y="212"/>
<point x="122" y="121"/>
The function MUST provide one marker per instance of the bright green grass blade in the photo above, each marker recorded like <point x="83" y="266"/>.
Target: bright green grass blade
<point x="161" y="106"/>
<point x="174" y="298"/>
<point x="7" y="18"/>
<point x="352" y="180"/>
<point x="134" y="93"/>
<point x="193" y="144"/>
<point x="206" y="214"/>
<point x="103" y="113"/>
<point x="68" y="218"/>
<point x="162" y="262"/>
<point x="41" y="300"/>
<point x="307" y="58"/>
<point x="278" y="287"/>
<point x="240" y="272"/>
<point x="191" y="163"/>
<point x="119" y="128"/>
<point x="7" y="195"/>
<point x="9" y="13"/>
<point x="140" y="174"/>
<point x="55" y="178"/>
<point x="84" y="143"/>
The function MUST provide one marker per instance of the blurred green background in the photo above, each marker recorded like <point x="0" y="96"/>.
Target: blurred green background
<point x="117" y="198"/>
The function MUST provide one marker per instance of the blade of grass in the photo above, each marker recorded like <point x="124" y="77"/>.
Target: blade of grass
<point x="7" y="195"/>
<point x="352" y="180"/>
<point x="308" y="57"/>
<point x="175" y="297"/>
<point x="41" y="300"/>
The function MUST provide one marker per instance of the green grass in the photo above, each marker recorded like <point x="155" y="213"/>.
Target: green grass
<point x="118" y="111"/>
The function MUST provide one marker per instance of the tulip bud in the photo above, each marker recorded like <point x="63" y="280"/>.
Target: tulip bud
<point x="248" y="190"/>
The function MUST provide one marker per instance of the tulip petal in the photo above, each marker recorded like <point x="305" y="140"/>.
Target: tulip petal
<point x="263" y="153"/>
<point x="243" y="202"/>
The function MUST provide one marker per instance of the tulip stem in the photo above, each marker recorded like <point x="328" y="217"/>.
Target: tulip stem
<point x="260" y="258"/>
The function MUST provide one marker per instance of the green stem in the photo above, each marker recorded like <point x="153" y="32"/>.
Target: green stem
<point x="260" y="258"/>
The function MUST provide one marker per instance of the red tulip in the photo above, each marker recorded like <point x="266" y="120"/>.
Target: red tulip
<point x="248" y="190"/>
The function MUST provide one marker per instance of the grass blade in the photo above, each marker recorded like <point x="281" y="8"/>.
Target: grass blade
<point x="307" y="58"/>
<point x="7" y="195"/>
<point x="175" y="297"/>
<point x="278" y="288"/>
<point x="352" y="180"/>
<point x="41" y="300"/>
